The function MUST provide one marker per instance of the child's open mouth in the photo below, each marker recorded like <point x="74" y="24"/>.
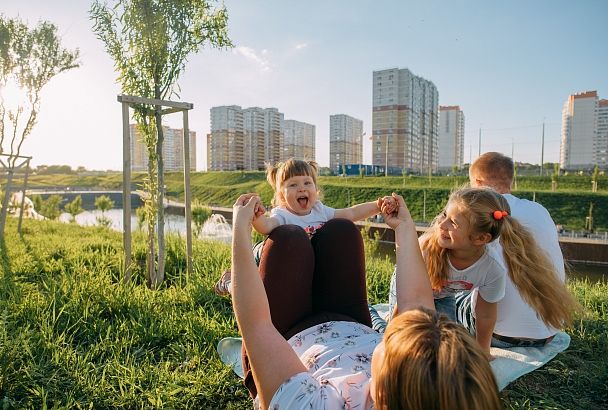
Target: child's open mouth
<point x="303" y="201"/>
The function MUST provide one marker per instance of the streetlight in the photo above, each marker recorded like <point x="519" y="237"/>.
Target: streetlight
<point x="386" y="158"/>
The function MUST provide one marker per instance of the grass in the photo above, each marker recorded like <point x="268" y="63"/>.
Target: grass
<point x="73" y="336"/>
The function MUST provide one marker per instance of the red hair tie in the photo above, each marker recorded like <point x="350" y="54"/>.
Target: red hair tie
<point x="498" y="215"/>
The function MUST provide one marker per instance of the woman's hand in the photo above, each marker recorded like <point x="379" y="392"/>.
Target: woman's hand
<point x="400" y="214"/>
<point x="245" y="209"/>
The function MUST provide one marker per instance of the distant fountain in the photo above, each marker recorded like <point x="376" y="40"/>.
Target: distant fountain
<point x="14" y="207"/>
<point x="216" y="228"/>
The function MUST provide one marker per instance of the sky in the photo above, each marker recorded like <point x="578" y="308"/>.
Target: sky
<point x="509" y="65"/>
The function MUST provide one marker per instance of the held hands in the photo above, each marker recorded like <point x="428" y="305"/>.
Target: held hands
<point x="394" y="215"/>
<point x="247" y="208"/>
<point x="389" y="202"/>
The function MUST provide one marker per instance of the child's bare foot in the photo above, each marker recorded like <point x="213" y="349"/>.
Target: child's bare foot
<point x="222" y="286"/>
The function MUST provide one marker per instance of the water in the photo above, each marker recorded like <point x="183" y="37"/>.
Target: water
<point x="216" y="228"/>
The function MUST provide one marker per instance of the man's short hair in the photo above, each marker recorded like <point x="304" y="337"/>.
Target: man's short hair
<point x="494" y="168"/>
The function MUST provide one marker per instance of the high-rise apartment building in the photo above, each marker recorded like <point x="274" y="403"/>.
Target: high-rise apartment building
<point x="404" y="121"/>
<point x="225" y="143"/>
<point x="345" y="141"/>
<point x="602" y="133"/>
<point x="173" y="150"/>
<point x="244" y="139"/>
<point x="298" y="140"/>
<point x="584" y="142"/>
<point x="450" y="140"/>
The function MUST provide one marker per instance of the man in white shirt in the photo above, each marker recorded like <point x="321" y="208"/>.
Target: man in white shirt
<point x="517" y="323"/>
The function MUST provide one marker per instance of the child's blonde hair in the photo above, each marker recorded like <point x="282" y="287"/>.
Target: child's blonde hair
<point x="529" y="267"/>
<point x="282" y="171"/>
<point x="431" y="362"/>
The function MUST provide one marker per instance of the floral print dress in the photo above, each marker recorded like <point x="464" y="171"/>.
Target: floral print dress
<point x="338" y="357"/>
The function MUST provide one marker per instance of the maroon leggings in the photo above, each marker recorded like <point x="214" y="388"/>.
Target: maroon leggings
<point x="312" y="281"/>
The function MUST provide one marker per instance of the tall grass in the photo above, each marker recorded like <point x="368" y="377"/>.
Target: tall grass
<point x="73" y="336"/>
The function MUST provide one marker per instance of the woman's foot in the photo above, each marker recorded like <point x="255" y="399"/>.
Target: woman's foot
<point x="222" y="286"/>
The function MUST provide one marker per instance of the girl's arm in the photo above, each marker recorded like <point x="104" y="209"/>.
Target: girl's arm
<point x="413" y="285"/>
<point x="485" y="320"/>
<point x="358" y="212"/>
<point x="265" y="224"/>
<point x="272" y="359"/>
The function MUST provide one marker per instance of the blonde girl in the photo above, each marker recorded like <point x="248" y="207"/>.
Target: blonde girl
<point x="458" y="260"/>
<point x="297" y="201"/>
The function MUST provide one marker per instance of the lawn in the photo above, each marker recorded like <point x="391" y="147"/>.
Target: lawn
<point x="72" y="335"/>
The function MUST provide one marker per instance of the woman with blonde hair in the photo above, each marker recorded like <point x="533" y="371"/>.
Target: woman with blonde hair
<point x="306" y="330"/>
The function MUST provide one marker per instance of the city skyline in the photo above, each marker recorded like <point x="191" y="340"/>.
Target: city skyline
<point x="510" y="67"/>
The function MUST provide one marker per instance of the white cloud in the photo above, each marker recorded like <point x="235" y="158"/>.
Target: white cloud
<point x="250" y="54"/>
<point x="301" y="46"/>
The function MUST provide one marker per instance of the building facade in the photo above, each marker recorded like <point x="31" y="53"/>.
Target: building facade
<point x="584" y="142"/>
<point x="450" y="140"/>
<point x="602" y="133"/>
<point x="173" y="150"/>
<point x="345" y="141"/>
<point x="404" y="122"/>
<point x="244" y="139"/>
<point x="225" y="143"/>
<point x="298" y="140"/>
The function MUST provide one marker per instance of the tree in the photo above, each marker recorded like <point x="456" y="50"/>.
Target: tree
<point x="150" y="41"/>
<point x="50" y="207"/>
<point x="29" y="59"/>
<point x="74" y="208"/>
<point x="200" y="214"/>
<point x="594" y="178"/>
<point x="104" y="203"/>
<point x="554" y="177"/>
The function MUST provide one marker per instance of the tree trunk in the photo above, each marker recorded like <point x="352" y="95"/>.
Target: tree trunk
<point x="151" y="257"/>
<point x="7" y="195"/>
<point x="160" y="226"/>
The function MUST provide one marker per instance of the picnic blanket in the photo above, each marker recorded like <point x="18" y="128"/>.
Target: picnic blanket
<point x="508" y="365"/>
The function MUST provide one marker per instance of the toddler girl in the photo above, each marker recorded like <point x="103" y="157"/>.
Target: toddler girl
<point x="296" y="201"/>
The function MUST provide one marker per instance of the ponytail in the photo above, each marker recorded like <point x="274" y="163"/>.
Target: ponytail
<point x="435" y="257"/>
<point x="534" y="276"/>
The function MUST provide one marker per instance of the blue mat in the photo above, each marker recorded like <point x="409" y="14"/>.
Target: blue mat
<point x="510" y="364"/>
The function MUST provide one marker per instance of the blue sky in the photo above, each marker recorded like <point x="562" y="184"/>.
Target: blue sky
<point x="509" y="65"/>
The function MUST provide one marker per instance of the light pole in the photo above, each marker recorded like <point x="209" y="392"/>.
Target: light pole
<point x="542" y="149"/>
<point x="386" y="159"/>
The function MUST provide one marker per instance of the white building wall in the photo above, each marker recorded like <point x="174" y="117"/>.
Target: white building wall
<point x="345" y="141"/>
<point x="579" y="132"/>
<point x="450" y="138"/>
<point x="298" y="140"/>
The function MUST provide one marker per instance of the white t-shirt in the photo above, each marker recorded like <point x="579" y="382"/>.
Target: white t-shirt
<point x="486" y="276"/>
<point x="319" y="214"/>
<point x="515" y="317"/>
<point x="338" y="356"/>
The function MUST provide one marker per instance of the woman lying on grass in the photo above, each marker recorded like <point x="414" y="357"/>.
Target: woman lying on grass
<point x="306" y="327"/>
